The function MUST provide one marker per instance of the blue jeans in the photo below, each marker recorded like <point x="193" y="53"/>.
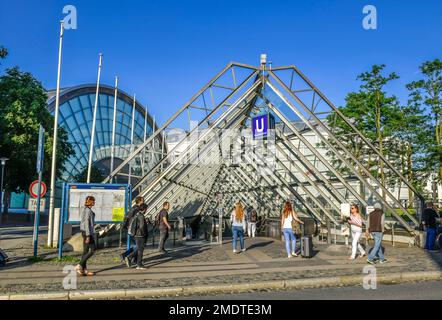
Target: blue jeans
<point x="431" y="238"/>
<point x="238" y="231"/>
<point x="289" y="236"/>
<point x="133" y="247"/>
<point x="377" y="251"/>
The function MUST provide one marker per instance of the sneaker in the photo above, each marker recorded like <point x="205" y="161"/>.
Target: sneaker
<point x="127" y="261"/>
<point x="289" y="256"/>
<point x="243" y="250"/>
<point x="141" y="268"/>
<point x="294" y="254"/>
<point x="370" y="261"/>
<point x="383" y="261"/>
<point x="234" y="251"/>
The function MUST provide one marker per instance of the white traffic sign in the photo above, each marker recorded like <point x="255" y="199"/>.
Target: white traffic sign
<point x="32" y="204"/>
<point x="33" y="189"/>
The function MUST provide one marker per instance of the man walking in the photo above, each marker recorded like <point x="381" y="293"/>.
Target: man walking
<point x="139" y="230"/>
<point x="129" y="254"/>
<point x="376" y="223"/>
<point x="164" y="226"/>
<point x="429" y="221"/>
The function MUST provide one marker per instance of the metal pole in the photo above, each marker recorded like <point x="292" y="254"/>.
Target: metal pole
<point x="1" y="190"/>
<point x="40" y="156"/>
<point x="113" y="129"/>
<point x="91" y="149"/>
<point x="54" y="143"/>
<point x="328" y="231"/>
<point x="132" y="137"/>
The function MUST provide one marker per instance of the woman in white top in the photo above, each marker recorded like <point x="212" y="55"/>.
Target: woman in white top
<point x="238" y="220"/>
<point x="288" y="215"/>
<point x="355" y="221"/>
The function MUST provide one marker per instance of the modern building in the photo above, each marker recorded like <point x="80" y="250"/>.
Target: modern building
<point x="133" y="125"/>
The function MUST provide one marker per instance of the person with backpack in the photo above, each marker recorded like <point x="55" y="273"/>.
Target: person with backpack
<point x="128" y="255"/>
<point x="287" y="218"/>
<point x="138" y="230"/>
<point x="252" y="223"/>
<point x="429" y="221"/>
<point x="163" y="225"/>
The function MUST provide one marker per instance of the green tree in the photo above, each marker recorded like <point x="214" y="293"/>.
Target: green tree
<point x="22" y="109"/>
<point x="375" y="114"/>
<point x="429" y="91"/>
<point x="413" y="137"/>
<point x="3" y="52"/>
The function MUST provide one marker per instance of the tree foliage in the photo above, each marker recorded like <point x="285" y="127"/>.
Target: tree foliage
<point x="22" y="109"/>
<point x="428" y="92"/>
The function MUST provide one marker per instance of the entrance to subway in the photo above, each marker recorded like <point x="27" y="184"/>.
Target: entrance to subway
<point x="263" y="135"/>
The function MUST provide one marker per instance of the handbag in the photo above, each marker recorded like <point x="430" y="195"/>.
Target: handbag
<point x="296" y="227"/>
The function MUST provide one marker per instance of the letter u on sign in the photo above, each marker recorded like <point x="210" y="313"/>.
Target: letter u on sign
<point x="259" y="129"/>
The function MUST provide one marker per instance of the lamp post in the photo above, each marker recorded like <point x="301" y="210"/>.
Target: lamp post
<point x="3" y="163"/>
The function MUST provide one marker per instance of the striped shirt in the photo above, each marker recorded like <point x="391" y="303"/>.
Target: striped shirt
<point x="356" y="220"/>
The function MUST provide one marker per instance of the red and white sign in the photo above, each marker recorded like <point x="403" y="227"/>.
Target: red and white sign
<point x="33" y="189"/>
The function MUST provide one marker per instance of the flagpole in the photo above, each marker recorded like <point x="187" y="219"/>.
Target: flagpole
<point x="54" y="143"/>
<point x="132" y="136"/>
<point x="94" y="121"/>
<point x="113" y="130"/>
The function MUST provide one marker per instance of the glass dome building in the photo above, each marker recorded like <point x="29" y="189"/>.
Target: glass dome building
<point x="76" y="116"/>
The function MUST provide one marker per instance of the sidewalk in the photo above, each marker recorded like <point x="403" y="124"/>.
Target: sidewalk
<point x="208" y="268"/>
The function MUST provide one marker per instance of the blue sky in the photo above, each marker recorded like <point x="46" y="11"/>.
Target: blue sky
<point x="165" y="51"/>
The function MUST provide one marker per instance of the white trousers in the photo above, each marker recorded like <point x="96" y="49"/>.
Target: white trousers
<point x="251" y="230"/>
<point x="356" y="234"/>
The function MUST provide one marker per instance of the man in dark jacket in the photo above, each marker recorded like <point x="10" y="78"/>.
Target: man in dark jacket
<point x="429" y="221"/>
<point x="140" y="235"/>
<point x="375" y="226"/>
<point x="128" y="255"/>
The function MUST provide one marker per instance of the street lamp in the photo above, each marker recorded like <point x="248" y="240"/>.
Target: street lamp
<point x="3" y="163"/>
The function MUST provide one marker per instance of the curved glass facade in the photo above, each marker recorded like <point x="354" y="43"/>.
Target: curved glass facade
<point x="76" y="115"/>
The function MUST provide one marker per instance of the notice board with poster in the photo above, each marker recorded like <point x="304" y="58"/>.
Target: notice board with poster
<point x="111" y="202"/>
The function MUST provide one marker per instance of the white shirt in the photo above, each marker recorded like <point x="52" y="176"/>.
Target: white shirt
<point x="237" y="223"/>
<point x="288" y="222"/>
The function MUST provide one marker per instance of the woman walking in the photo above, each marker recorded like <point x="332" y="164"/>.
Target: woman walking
<point x="288" y="216"/>
<point x="87" y="219"/>
<point x="355" y="222"/>
<point x="238" y="220"/>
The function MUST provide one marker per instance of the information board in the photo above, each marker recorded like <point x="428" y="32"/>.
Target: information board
<point x="110" y="202"/>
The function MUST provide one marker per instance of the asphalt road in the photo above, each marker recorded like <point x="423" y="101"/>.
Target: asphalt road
<point x="405" y="291"/>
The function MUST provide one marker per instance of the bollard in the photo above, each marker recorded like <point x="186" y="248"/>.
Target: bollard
<point x="328" y="231"/>
<point x="392" y="233"/>
<point x="174" y="233"/>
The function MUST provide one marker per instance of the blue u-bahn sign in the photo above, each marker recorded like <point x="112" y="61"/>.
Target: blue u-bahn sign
<point x="262" y="124"/>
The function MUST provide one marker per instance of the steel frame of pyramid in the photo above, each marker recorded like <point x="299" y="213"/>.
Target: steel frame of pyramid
<point x="191" y="180"/>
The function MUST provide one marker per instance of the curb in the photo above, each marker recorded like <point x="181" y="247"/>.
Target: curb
<point x="226" y="288"/>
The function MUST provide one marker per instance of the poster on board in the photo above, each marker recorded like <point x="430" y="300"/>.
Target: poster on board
<point x="110" y="202"/>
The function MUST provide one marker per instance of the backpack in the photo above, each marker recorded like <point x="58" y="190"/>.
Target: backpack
<point x="133" y="225"/>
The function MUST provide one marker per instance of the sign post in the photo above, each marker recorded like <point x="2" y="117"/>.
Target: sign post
<point x="220" y="219"/>
<point x="40" y="159"/>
